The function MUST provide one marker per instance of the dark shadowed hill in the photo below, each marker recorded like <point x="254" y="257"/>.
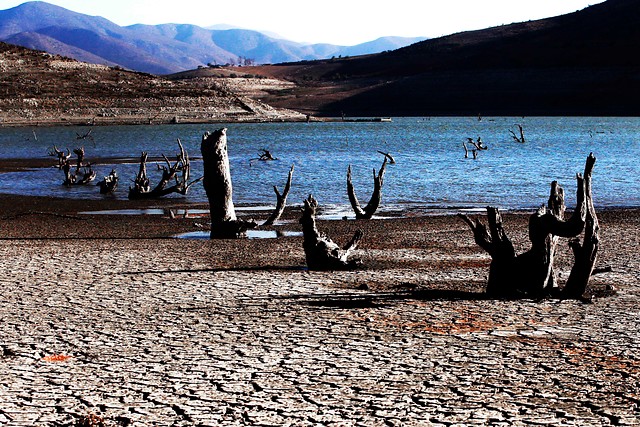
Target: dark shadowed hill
<point x="583" y="63"/>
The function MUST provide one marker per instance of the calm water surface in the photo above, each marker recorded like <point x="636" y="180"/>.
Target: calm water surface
<point x="431" y="172"/>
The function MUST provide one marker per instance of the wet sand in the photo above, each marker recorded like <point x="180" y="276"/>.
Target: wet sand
<point x="107" y="315"/>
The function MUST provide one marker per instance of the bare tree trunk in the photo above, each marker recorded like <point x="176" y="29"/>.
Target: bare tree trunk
<point x="587" y="253"/>
<point x="321" y="252"/>
<point x="532" y="273"/>
<point x="217" y="184"/>
<point x="281" y="200"/>
<point x="376" y="197"/>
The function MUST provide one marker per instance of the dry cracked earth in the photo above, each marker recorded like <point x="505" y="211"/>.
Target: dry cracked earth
<point x="130" y="333"/>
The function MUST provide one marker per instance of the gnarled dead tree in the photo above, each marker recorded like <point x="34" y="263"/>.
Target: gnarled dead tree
<point x="179" y="172"/>
<point x="532" y="273"/>
<point x="281" y="200"/>
<point x="320" y="251"/>
<point x="217" y="184"/>
<point x="376" y="197"/>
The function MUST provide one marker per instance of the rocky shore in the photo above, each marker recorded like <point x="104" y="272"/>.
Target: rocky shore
<point x="107" y="320"/>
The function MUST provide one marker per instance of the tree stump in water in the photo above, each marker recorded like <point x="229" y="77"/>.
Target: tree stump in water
<point x="531" y="273"/>
<point x="320" y="251"/>
<point x="217" y="184"/>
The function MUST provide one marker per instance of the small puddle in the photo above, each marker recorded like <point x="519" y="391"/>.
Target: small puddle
<point x="251" y="234"/>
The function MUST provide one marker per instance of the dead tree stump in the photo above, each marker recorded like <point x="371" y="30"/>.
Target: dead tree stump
<point x="531" y="273"/>
<point x="217" y="184"/>
<point x="320" y="251"/>
<point x="376" y="197"/>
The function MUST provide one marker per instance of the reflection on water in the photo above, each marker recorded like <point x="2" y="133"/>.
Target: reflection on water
<point x="431" y="172"/>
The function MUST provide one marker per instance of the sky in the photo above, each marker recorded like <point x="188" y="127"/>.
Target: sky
<point x="341" y="22"/>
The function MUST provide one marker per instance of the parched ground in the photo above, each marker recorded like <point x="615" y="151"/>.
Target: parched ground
<point x="123" y="326"/>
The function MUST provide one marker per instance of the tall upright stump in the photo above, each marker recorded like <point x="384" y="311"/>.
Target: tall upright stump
<point x="217" y="184"/>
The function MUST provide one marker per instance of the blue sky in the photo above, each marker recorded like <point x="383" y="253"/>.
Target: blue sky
<point x="343" y="22"/>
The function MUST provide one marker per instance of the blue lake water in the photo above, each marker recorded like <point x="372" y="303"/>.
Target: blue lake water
<point x="431" y="172"/>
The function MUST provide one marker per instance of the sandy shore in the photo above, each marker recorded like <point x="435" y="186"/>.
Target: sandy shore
<point x="106" y="315"/>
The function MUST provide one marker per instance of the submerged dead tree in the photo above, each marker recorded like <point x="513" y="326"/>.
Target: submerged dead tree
<point x="532" y="273"/>
<point x="320" y="251"/>
<point x="179" y="172"/>
<point x="376" y="197"/>
<point x="217" y="184"/>
<point x="281" y="200"/>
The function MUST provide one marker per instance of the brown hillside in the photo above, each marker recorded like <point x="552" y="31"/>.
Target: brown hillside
<point x="39" y="88"/>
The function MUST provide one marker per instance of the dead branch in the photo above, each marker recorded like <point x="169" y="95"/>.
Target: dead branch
<point x="520" y="131"/>
<point x="389" y="157"/>
<point x="281" y="200"/>
<point x="376" y="197"/>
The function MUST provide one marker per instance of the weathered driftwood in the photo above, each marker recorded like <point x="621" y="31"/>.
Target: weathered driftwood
<point x="281" y="200"/>
<point x="531" y="273"/>
<point x="178" y="172"/>
<point x="376" y="197"/>
<point x="109" y="183"/>
<point x="320" y="251"/>
<point x="217" y="184"/>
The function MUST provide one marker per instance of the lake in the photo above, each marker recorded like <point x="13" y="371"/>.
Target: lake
<point x="430" y="174"/>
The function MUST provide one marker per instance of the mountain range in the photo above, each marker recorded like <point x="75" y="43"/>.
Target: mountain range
<point x="160" y="49"/>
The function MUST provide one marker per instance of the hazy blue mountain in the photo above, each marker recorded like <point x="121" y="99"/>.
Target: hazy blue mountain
<point x="160" y="49"/>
